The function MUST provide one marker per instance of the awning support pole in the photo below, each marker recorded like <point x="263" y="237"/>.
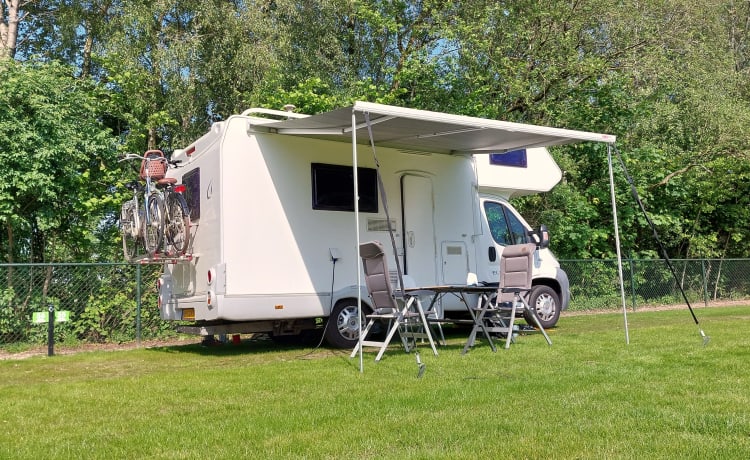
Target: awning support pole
<point x="617" y="243"/>
<point x="358" y="260"/>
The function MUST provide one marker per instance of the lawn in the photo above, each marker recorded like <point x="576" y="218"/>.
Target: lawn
<point x="590" y="395"/>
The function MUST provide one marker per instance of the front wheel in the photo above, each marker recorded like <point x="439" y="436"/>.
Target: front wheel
<point x="343" y="327"/>
<point x="153" y="227"/>
<point x="129" y="229"/>
<point x="177" y="225"/>
<point x="545" y="303"/>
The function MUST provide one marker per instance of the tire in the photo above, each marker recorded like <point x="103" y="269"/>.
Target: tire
<point x="153" y="228"/>
<point x="545" y="303"/>
<point x="177" y="225"/>
<point x="342" y="330"/>
<point x="129" y="230"/>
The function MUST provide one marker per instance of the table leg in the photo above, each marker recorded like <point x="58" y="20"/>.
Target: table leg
<point x="484" y="301"/>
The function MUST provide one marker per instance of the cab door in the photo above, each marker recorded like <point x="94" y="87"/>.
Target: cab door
<point x="502" y="227"/>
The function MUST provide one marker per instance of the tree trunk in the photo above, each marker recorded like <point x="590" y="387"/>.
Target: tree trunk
<point x="87" y="47"/>
<point x="9" y="28"/>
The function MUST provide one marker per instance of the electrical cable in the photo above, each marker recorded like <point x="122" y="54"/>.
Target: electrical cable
<point x="662" y="249"/>
<point x="330" y="309"/>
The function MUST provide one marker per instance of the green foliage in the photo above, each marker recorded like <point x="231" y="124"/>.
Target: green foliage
<point x="669" y="78"/>
<point x="11" y="321"/>
<point x="54" y="152"/>
<point x="310" y="97"/>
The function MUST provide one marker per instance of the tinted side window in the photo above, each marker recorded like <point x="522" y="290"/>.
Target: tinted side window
<point x="333" y="188"/>
<point x="192" y="181"/>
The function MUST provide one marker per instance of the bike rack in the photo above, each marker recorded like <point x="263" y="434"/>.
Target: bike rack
<point x="159" y="259"/>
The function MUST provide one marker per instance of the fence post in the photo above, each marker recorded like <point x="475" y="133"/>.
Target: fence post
<point x="705" y="282"/>
<point x="138" y="304"/>
<point x="632" y="281"/>
<point x="51" y="330"/>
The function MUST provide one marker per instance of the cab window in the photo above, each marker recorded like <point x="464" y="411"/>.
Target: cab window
<point x="505" y="227"/>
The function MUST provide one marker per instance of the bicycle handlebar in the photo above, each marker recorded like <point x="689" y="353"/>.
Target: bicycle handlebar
<point x="135" y="156"/>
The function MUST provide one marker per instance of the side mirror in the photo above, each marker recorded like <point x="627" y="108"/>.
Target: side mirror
<point x="542" y="237"/>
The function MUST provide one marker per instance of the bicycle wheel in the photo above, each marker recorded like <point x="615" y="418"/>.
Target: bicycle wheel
<point x="177" y="225"/>
<point x="129" y="230"/>
<point x="153" y="227"/>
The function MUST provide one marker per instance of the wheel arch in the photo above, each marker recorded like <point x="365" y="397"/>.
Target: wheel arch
<point x="559" y="284"/>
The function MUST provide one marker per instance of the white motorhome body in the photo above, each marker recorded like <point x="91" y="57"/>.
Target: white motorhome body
<point x="274" y="248"/>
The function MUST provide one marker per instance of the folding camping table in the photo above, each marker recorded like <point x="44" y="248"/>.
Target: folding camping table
<point x="463" y="292"/>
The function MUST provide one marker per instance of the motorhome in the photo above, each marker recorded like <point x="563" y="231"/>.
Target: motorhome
<point x="276" y="223"/>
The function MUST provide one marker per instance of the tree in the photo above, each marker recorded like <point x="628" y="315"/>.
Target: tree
<point x="53" y="152"/>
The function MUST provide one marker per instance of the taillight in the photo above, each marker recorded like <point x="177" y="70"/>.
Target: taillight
<point x="180" y="188"/>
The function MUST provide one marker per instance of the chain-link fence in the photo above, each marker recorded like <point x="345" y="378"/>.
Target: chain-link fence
<point x="594" y="284"/>
<point x="106" y="303"/>
<point x="114" y="303"/>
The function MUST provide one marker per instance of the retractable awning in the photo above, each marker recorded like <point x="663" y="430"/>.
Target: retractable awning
<point x="424" y="131"/>
<point x="412" y="130"/>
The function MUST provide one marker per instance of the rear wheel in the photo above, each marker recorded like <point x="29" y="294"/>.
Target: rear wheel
<point x="343" y="327"/>
<point x="153" y="226"/>
<point x="177" y="225"/>
<point x="545" y="303"/>
<point x="129" y="230"/>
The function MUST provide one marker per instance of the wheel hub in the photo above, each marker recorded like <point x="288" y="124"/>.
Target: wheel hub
<point x="545" y="307"/>
<point x="348" y="323"/>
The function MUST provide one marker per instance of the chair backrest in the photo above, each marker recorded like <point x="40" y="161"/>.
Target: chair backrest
<point x="377" y="279"/>
<point x="516" y="263"/>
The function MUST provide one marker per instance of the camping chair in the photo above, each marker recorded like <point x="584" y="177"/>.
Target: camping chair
<point x="516" y="265"/>
<point x="403" y="311"/>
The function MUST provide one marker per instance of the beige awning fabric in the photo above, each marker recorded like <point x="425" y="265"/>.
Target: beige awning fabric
<point x="424" y="131"/>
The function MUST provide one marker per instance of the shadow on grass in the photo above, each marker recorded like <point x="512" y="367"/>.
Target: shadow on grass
<point x="257" y="344"/>
<point x="260" y="344"/>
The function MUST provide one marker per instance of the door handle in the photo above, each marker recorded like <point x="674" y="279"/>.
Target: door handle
<point x="410" y="238"/>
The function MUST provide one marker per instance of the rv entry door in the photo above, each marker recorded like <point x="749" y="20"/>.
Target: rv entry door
<point x="419" y="229"/>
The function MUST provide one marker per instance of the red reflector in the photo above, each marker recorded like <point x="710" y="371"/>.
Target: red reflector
<point x="209" y="277"/>
<point x="190" y="151"/>
<point x="180" y="188"/>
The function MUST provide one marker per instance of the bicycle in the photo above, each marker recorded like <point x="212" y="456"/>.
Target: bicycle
<point x="165" y="217"/>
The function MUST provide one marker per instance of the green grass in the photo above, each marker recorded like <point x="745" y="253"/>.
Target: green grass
<point x="590" y="395"/>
